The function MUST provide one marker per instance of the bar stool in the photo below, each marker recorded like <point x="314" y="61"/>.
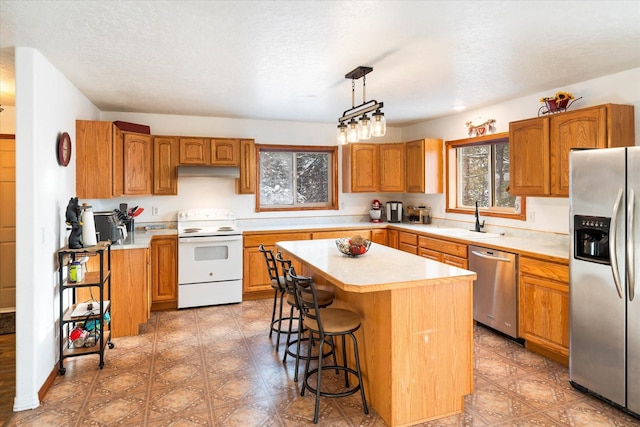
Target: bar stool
<point x="327" y="323"/>
<point x="325" y="298"/>
<point x="277" y="283"/>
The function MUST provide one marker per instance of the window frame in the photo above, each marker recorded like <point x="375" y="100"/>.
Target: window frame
<point x="333" y="164"/>
<point x="452" y="179"/>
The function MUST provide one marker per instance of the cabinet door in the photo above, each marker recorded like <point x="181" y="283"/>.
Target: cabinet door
<point x="585" y="128"/>
<point x="392" y="167"/>
<point x="393" y="238"/>
<point x="165" y="162"/>
<point x="225" y="152"/>
<point x="360" y="168"/>
<point x="195" y="151"/>
<point x="246" y="184"/>
<point x="379" y="236"/>
<point x="164" y="272"/>
<point x="94" y="159"/>
<point x="544" y="313"/>
<point x="137" y="164"/>
<point x="529" y="157"/>
<point x="424" y="166"/>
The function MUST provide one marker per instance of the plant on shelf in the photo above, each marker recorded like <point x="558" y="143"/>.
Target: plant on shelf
<point x="557" y="103"/>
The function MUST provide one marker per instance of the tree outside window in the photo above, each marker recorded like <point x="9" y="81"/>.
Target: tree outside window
<point x="478" y="171"/>
<point x="297" y="178"/>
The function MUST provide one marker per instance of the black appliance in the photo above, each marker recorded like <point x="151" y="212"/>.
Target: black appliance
<point x="109" y="227"/>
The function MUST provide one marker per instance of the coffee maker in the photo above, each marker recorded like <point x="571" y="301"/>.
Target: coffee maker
<point x="394" y="211"/>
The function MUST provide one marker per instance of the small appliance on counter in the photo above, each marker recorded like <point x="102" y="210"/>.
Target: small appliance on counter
<point x="394" y="211"/>
<point x="376" y="211"/>
<point x="110" y="227"/>
<point x="418" y="215"/>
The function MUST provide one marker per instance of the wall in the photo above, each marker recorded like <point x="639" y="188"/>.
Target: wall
<point x="47" y="104"/>
<point x="543" y="214"/>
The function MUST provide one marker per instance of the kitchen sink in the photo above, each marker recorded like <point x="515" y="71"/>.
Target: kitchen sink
<point x="461" y="232"/>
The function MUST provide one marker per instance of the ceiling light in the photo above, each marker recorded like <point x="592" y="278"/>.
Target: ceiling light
<point x="342" y="134"/>
<point x="364" y="128"/>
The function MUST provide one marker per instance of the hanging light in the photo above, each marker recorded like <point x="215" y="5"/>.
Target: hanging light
<point x="353" y="134"/>
<point x="379" y="126"/>
<point x="364" y="128"/>
<point x="342" y="134"/>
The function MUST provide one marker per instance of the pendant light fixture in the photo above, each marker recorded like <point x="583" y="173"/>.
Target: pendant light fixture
<point x="364" y="128"/>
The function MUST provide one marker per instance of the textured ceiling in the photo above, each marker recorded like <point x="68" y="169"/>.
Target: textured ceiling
<point x="286" y="60"/>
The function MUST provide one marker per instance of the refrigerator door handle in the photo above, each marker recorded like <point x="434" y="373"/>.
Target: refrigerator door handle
<point x="613" y="234"/>
<point x="630" y="249"/>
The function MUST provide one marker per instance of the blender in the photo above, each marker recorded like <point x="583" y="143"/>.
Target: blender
<point x="376" y="211"/>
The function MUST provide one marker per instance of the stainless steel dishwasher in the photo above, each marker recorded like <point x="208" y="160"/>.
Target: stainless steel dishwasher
<point x="495" y="291"/>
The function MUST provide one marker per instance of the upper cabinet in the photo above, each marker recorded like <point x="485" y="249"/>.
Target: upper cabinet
<point x="424" y="166"/>
<point x="246" y="184"/>
<point x="360" y="168"/>
<point x="165" y="160"/>
<point x="225" y="152"/>
<point x="111" y="163"/>
<point x="137" y="164"/>
<point x="539" y="147"/>
<point x="195" y="151"/>
<point x="392" y="167"/>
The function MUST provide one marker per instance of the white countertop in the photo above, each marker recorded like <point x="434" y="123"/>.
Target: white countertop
<point x="381" y="268"/>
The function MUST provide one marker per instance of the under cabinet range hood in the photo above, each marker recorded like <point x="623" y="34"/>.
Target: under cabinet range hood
<point x="209" y="171"/>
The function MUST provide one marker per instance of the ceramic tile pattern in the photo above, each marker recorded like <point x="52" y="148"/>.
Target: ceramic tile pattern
<point x="216" y="366"/>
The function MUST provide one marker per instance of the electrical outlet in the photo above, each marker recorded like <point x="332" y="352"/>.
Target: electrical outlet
<point x="154" y="211"/>
<point x="532" y="216"/>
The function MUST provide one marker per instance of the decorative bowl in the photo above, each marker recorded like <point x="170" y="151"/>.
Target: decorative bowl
<point x="344" y="246"/>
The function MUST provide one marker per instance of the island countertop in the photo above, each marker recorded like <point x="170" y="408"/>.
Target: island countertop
<point x="381" y="268"/>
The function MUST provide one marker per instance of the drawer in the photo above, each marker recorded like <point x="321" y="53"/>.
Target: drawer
<point x="251" y="240"/>
<point x="408" y="238"/>
<point x="544" y="269"/>
<point x="456" y="249"/>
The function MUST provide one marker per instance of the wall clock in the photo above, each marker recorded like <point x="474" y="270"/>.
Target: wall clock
<point x="64" y="149"/>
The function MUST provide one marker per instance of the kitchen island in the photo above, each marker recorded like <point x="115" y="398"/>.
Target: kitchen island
<point x="416" y="339"/>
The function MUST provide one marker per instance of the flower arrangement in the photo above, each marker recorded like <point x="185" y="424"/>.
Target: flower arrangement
<point x="557" y="103"/>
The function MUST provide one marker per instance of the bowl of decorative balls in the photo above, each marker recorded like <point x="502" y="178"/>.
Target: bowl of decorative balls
<point x="353" y="246"/>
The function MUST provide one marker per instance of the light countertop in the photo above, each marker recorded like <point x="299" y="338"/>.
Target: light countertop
<point x="381" y="268"/>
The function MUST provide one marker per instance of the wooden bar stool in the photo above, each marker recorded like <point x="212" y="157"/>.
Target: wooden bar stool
<point x="325" y="298"/>
<point x="327" y="323"/>
<point x="277" y="283"/>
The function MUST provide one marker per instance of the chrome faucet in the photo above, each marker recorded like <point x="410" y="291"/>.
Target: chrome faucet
<point x="479" y="226"/>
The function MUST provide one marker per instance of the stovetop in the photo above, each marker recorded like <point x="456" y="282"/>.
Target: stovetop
<point x="207" y="222"/>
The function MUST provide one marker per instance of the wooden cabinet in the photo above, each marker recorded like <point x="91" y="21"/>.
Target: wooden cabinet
<point x="195" y="151"/>
<point x="408" y="242"/>
<point x="544" y="307"/>
<point x="137" y="164"/>
<point x="225" y="152"/>
<point x="359" y="168"/>
<point x="539" y="147"/>
<point x="99" y="160"/>
<point x="392" y="167"/>
<point x="164" y="272"/>
<point x="130" y="291"/>
<point x="379" y="235"/>
<point x="111" y="163"/>
<point x="444" y="251"/>
<point x="255" y="280"/>
<point x="165" y="162"/>
<point x="336" y="234"/>
<point x="393" y="238"/>
<point x="424" y="166"/>
<point x="246" y="184"/>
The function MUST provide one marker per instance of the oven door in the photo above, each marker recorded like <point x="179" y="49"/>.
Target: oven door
<point x="209" y="259"/>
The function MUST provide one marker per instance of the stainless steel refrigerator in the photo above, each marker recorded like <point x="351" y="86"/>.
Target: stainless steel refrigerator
<point x="604" y="294"/>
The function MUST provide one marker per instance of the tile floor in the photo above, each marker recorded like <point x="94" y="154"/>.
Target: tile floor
<point x="216" y="366"/>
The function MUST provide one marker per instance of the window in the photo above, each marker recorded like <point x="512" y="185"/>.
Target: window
<point x="297" y="178"/>
<point x="478" y="171"/>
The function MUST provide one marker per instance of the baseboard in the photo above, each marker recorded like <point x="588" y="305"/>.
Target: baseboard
<point x="8" y="310"/>
<point x="248" y="296"/>
<point x="546" y="352"/>
<point x="48" y="383"/>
